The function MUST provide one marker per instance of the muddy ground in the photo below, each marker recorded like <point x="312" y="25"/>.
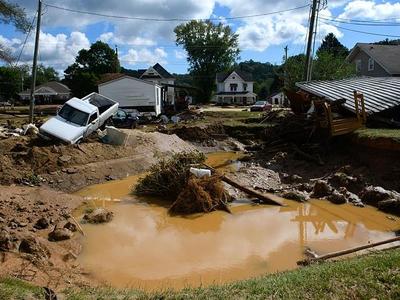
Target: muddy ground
<point x="27" y="218"/>
<point x="35" y="177"/>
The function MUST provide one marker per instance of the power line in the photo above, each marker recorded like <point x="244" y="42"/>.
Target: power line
<point x="171" y="19"/>
<point x="26" y="39"/>
<point x="366" y="21"/>
<point x="364" y="32"/>
<point x="363" y="23"/>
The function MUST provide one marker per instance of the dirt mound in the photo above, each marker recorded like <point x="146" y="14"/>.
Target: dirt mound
<point x="201" y="195"/>
<point x="200" y="134"/>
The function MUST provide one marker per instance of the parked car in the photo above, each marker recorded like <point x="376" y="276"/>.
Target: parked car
<point x="125" y="119"/>
<point x="78" y="118"/>
<point x="261" y="106"/>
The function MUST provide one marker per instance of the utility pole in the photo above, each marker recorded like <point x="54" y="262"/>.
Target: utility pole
<point x="307" y="73"/>
<point x="286" y="51"/>
<point x="34" y="66"/>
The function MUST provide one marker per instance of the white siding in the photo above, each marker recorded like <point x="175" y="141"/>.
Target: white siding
<point x="234" y="78"/>
<point x="129" y="92"/>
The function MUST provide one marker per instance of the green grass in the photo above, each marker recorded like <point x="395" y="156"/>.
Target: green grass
<point x="232" y="114"/>
<point x="375" y="275"/>
<point x="373" y="133"/>
<point x="15" y="289"/>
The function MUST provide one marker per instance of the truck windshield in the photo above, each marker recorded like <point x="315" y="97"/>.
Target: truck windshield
<point x="73" y="115"/>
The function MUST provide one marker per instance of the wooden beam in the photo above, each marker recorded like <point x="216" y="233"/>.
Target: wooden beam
<point x="267" y="198"/>
<point x="347" y="251"/>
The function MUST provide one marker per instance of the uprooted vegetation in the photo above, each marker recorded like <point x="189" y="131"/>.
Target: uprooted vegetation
<point x="171" y="179"/>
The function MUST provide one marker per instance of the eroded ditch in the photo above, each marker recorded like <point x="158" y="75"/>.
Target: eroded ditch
<point x="144" y="247"/>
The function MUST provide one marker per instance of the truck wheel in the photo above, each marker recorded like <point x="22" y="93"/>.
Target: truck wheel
<point x="108" y="122"/>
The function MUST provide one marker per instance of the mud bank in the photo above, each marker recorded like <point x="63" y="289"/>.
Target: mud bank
<point x="71" y="167"/>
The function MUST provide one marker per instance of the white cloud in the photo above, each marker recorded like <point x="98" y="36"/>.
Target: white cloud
<point x="180" y="54"/>
<point x="361" y="9"/>
<point x="259" y="33"/>
<point x="144" y="55"/>
<point x="126" y="31"/>
<point x="106" y="37"/>
<point x="57" y="50"/>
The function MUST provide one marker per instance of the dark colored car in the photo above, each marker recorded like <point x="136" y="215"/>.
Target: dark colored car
<point x="124" y="119"/>
<point x="261" y="106"/>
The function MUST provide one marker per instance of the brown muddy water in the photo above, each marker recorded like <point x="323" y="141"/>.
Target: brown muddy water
<point x="144" y="247"/>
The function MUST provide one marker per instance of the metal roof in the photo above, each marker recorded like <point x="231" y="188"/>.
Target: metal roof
<point x="380" y="93"/>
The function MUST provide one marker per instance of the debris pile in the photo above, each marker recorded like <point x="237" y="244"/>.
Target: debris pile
<point x="204" y="194"/>
<point x="171" y="179"/>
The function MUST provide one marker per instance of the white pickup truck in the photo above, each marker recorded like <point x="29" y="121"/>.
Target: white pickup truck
<point x="78" y="118"/>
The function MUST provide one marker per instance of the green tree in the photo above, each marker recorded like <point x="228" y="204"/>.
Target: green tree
<point x="46" y="74"/>
<point x="82" y="83"/>
<point x="327" y="66"/>
<point x="211" y="48"/>
<point x="388" y="42"/>
<point x="10" y="83"/>
<point x="293" y="69"/>
<point x="43" y="74"/>
<point x="14" y="14"/>
<point x="331" y="44"/>
<point x="89" y="65"/>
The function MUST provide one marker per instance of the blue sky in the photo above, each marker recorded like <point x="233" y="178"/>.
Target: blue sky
<point x="142" y="43"/>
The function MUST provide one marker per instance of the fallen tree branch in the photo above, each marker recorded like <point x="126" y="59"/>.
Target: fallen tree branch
<point x="347" y="251"/>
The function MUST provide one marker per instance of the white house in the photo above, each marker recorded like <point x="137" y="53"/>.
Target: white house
<point x="235" y="87"/>
<point x="278" y="99"/>
<point x="134" y="93"/>
<point x="157" y="74"/>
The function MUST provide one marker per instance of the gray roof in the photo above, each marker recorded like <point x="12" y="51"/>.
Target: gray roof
<point x="387" y="56"/>
<point x="160" y="70"/>
<point x="244" y="75"/>
<point x="58" y="87"/>
<point x="380" y="93"/>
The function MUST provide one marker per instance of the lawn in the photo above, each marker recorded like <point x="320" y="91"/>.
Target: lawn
<point x="376" y="133"/>
<point x="373" y="276"/>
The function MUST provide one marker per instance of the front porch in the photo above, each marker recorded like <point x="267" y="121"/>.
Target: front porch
<point x="234" y="99"/>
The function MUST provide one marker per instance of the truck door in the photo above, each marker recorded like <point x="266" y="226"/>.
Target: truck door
<point x="93" y="123"/>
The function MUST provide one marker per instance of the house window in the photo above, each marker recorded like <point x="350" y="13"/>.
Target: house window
<point x="245" y="87"/>
<point x="358" y="65"/>
<point x="371" y="64"/>
<point x="233" y="87"/>
<point x="233" y="77"/>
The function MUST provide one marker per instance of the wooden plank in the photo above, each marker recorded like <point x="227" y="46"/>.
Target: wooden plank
<point x="267" y="198"/>
<point x="348" y="251"/>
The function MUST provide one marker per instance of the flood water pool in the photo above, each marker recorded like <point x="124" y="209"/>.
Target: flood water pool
<point x="144" y="247"/>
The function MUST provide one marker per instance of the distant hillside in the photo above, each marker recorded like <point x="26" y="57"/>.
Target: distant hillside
<point x="265" y="75"/>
